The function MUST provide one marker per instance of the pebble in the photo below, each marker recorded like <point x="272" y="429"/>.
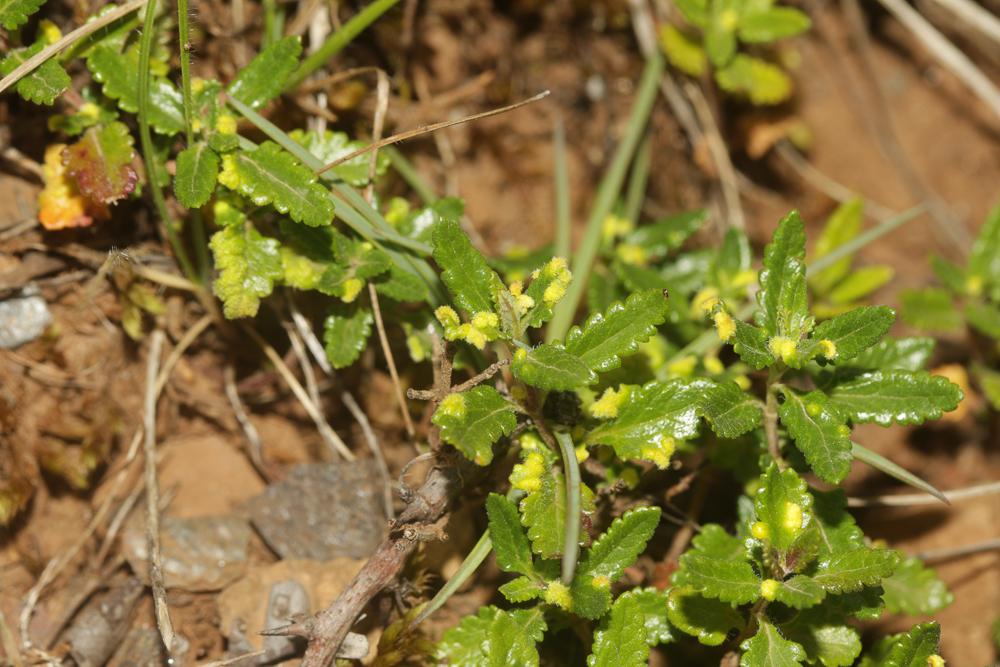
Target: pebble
<point x="22" y="320"/>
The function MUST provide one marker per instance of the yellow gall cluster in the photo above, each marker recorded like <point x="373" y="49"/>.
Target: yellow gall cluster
<point x="935" y="661"/>
<point x="352" y="287"/>
<point x="448" y="318"/>
<point x="705" y="301"/>
<point x="556" y="273"/>
<point x="453" y="405"/>
<point x="225" y="124"/>
<point x="630" y="253"/>
<point x="229" y="176"/>
<point x="527" y="475"/>
<point x="522" y="302"/>
<point x="791" y="517"/>
<point x="558" y="594"/>
<point x="482" y="328"/>
<point x="828" y="348"/>
<point x="610" y="402"/>
<point x="600" y="581"/>
<point x="760" y="531"/>
<point x="725" y="325"/>
<point x="769" y="589"/>
<point x="615" y="226"/>
<point x="783" y="348"/>
<point x="660" y="451"/>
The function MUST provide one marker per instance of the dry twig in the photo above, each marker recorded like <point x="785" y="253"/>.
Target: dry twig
<point x="249" y="430"/>
<point x="913" y="499"/>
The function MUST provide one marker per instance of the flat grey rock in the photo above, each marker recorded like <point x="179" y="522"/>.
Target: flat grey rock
<point x="321" y="511"/>
<point x="22" y="320"/>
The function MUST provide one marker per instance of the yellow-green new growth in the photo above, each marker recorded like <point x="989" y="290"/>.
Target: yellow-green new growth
<point x="725" y="326"/>
<point x="791" y="517"/>
<point x="557" y="271"/>
<point x="610" y="402"/>
<point x="453" y="405"/>
<point x="558" y="594"/>
<point x="828" y="349"/>
<point x="769" y="589"/>
<point x="660" y="451"/>
<point x="935" y="661"/>
<point x="527" y="476"/>
<point x="522" y="302"/>
<point x="760" y="531"/>
<point x="352" y="287"/>
<point x="783" y="348"/>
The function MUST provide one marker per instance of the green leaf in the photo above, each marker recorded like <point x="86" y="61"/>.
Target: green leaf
<point x="915" y="589"/>
<point x="842" y="226"/>
<point x="819" y="432"/>
<point x="522" y="589"/>
<point x="119" y="75"/>
<point x="800" y="592"/>
<point x="621" y="544"/>
<point x="984" y="260"/>
<point x="473" y="420"/>
<point x="850" y="571"/>
<point x="931" y="309"/>
<point x="550" y="366"/>
<point x="331" y="146"/>
<point x="855" y="331"/>
<point x="356" y="261"/>
<point x="620" y="640"/>
<point x="784" y="307"/>
<point x="197" y="169"/>
<point x="684" y="52"/>
<point x="984" y="318"/>
<point x="989" y="381"/>
<point x="769" y="649"/>
<point x="761" y="81"/>
<point x="695" y="12"/>
<point x="652" y="420"/>
<point x="345" y="333"/>
<point x="471" y="281"/>
<point x="914" y="648"/>
<point x="402" y="285"/>
<point x="720" y="33"/>
<point x="772" y="24"/>
<point x="548" y="285"/>
<point x="905" y="354"/>
<point x="730" y="411"/>
<point x="708" y="619"/>
<point x="270" y="175"/>
<point x="860" y="283"/>
<point x="668" y="233"/>
<point x="783" y="505"/>
<point x="714" y="542"/>
<point x="825" y="641"/>
<point x="903" y="397"/>
<point x="265" y="76"/>
<point x="951" y="275"/>
<point x="510" y="544"/>
<point x="15" y="13"/>
<point x="727" y="580"/>
<point x="492" y="638"/>
<point x="750" y="343"/>
<point x="732" y="262"/>
<point x="836" y="529"/>
<point x="101" y="163"/>
<point x="543" y="512"/>
<point x="43" y="84"/>
<point x="654" y="608"/>
<point x="606" y="338"/>
<point x="248" y="264"/>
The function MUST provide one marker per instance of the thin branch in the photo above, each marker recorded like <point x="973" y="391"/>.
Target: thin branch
<point x="51" y="50"/>
<point x="329" y="436"/>
<point x="182" y="345"/>
<point x="490" y="371"/>
<point x="366" y="429"/>
<point x="975" y="15"/>
<point x="254" y="443"/>
<point x="950" y="553"/>
<point x="308" y="335"/>
<point x="720" y="155"/>
<point x="913" y="499"/>
<point x="153" y="497"/>
<point x="433" y="127"/>
<point x="390" y="360"/>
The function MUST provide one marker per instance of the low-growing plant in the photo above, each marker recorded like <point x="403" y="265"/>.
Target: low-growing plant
<point x="711" y="36"/>
<point x="968" y="298"/>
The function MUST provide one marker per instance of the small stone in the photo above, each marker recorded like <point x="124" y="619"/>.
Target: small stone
<point x="321" y="511"/>
<point x="198" y="554"/>
<point x="22" y="320"/>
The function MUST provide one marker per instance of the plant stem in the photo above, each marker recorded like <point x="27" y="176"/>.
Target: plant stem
<point x="771" y="418"/>
<point x="563" y="219"/>
<point x="336" y="42"/>
<point x="571" y="543"/>
<point x="146" y="140"/>
<point x="607" y="193"/>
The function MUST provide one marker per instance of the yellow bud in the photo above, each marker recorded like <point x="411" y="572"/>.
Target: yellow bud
<point x="844" y="430"/>
<point x="769" y="589"/>
<point x="447" y="316"/>
<point x="828" y="348"/>
<point x="352" y="287"/>
<point x="582" y="454"/>
<point x="725" y="326"/>
<point x="558" y="594"/>
<point x="783" y="347"/>
<point x="516" y="288"/>
<point x="473" y="336"/>
<point x="485" y="320"/>
<point x="90" y="110"/>
<point x="760" y="530"/>
<point x="729" y="19"/>
<point x="531" y="440"/>
<point x="974" y="285"/>
<point x="814" y="409"/>
<point x="453" y="405"/>
<point x="615" y="226"/>
<point x="742" y="381"/>
<point x="521" y="354"/>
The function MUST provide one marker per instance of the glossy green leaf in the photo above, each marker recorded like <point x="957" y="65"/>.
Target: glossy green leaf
<point x="931" y="309"/>
<point x="905" y="354"/>
<point x="43" y="84"/>
<point x="727" y="580"/>
<point x="915" y="589"/>
<point x="902" y="397"/>
<point x="732" y="262"/>
<point x="859" y="284"/>
<point x="620" y="545"/>
<point x="850" y="571"/>
<point x="913" y="648"/>
<point x="762" y="82"/>
<point x="197" y="169"/>
<point x="750" y="343"/>
<point x="708" y="619"/>
<point x="345" y="333"/>
<point x="826" y="642"/>
<point x="248" y="265"/>
<point x="714" y="542"/>
<point x="510" y="544"/>
<point x="119" y="76"/>
<point x="331" y="146"/>
<point x="522" y="589"/>
<point x="666" y="234"/>
<point x="402" y="285"/>
<point x="730" y="411"/>
<point x="550" y="366"/>
<point x="836" y="529"/>
<point x="471" y="281"/>
<point x="784" y="306"/>
<point x="543" y="512"/>
<point x="270" y="175"/>
<point x="471" y="421"/>
<point x="783" y="506"/>
<point x="265" y="76"/>
<point x="15" y="13"/>
<point x="769" y="649"/>
<point x="800" y="592"/>
<point x="819" y="433"/>
<point x="492" y="638"/>
<point x="101" y="163"/>
<point x="772" y="24"/>
<point x="653" y="604"/>
<point x="620" y="640"/>
<point x="606" y="337"/>
<point x="651" y="421"/>
<point x="855" y="331"/>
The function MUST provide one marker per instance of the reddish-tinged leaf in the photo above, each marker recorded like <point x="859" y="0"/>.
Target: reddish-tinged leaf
<point x="101" y="163"/>
<point x="60" y="204"/>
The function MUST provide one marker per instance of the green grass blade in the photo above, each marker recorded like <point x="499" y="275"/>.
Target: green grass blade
<point x="607" y="193"/>
<point x="863" y="239"/>
<point x="883" y="464"/>
<point x="638" y="180"/>
<point x="563" y="219"/>
<point x="462" y="575"/>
